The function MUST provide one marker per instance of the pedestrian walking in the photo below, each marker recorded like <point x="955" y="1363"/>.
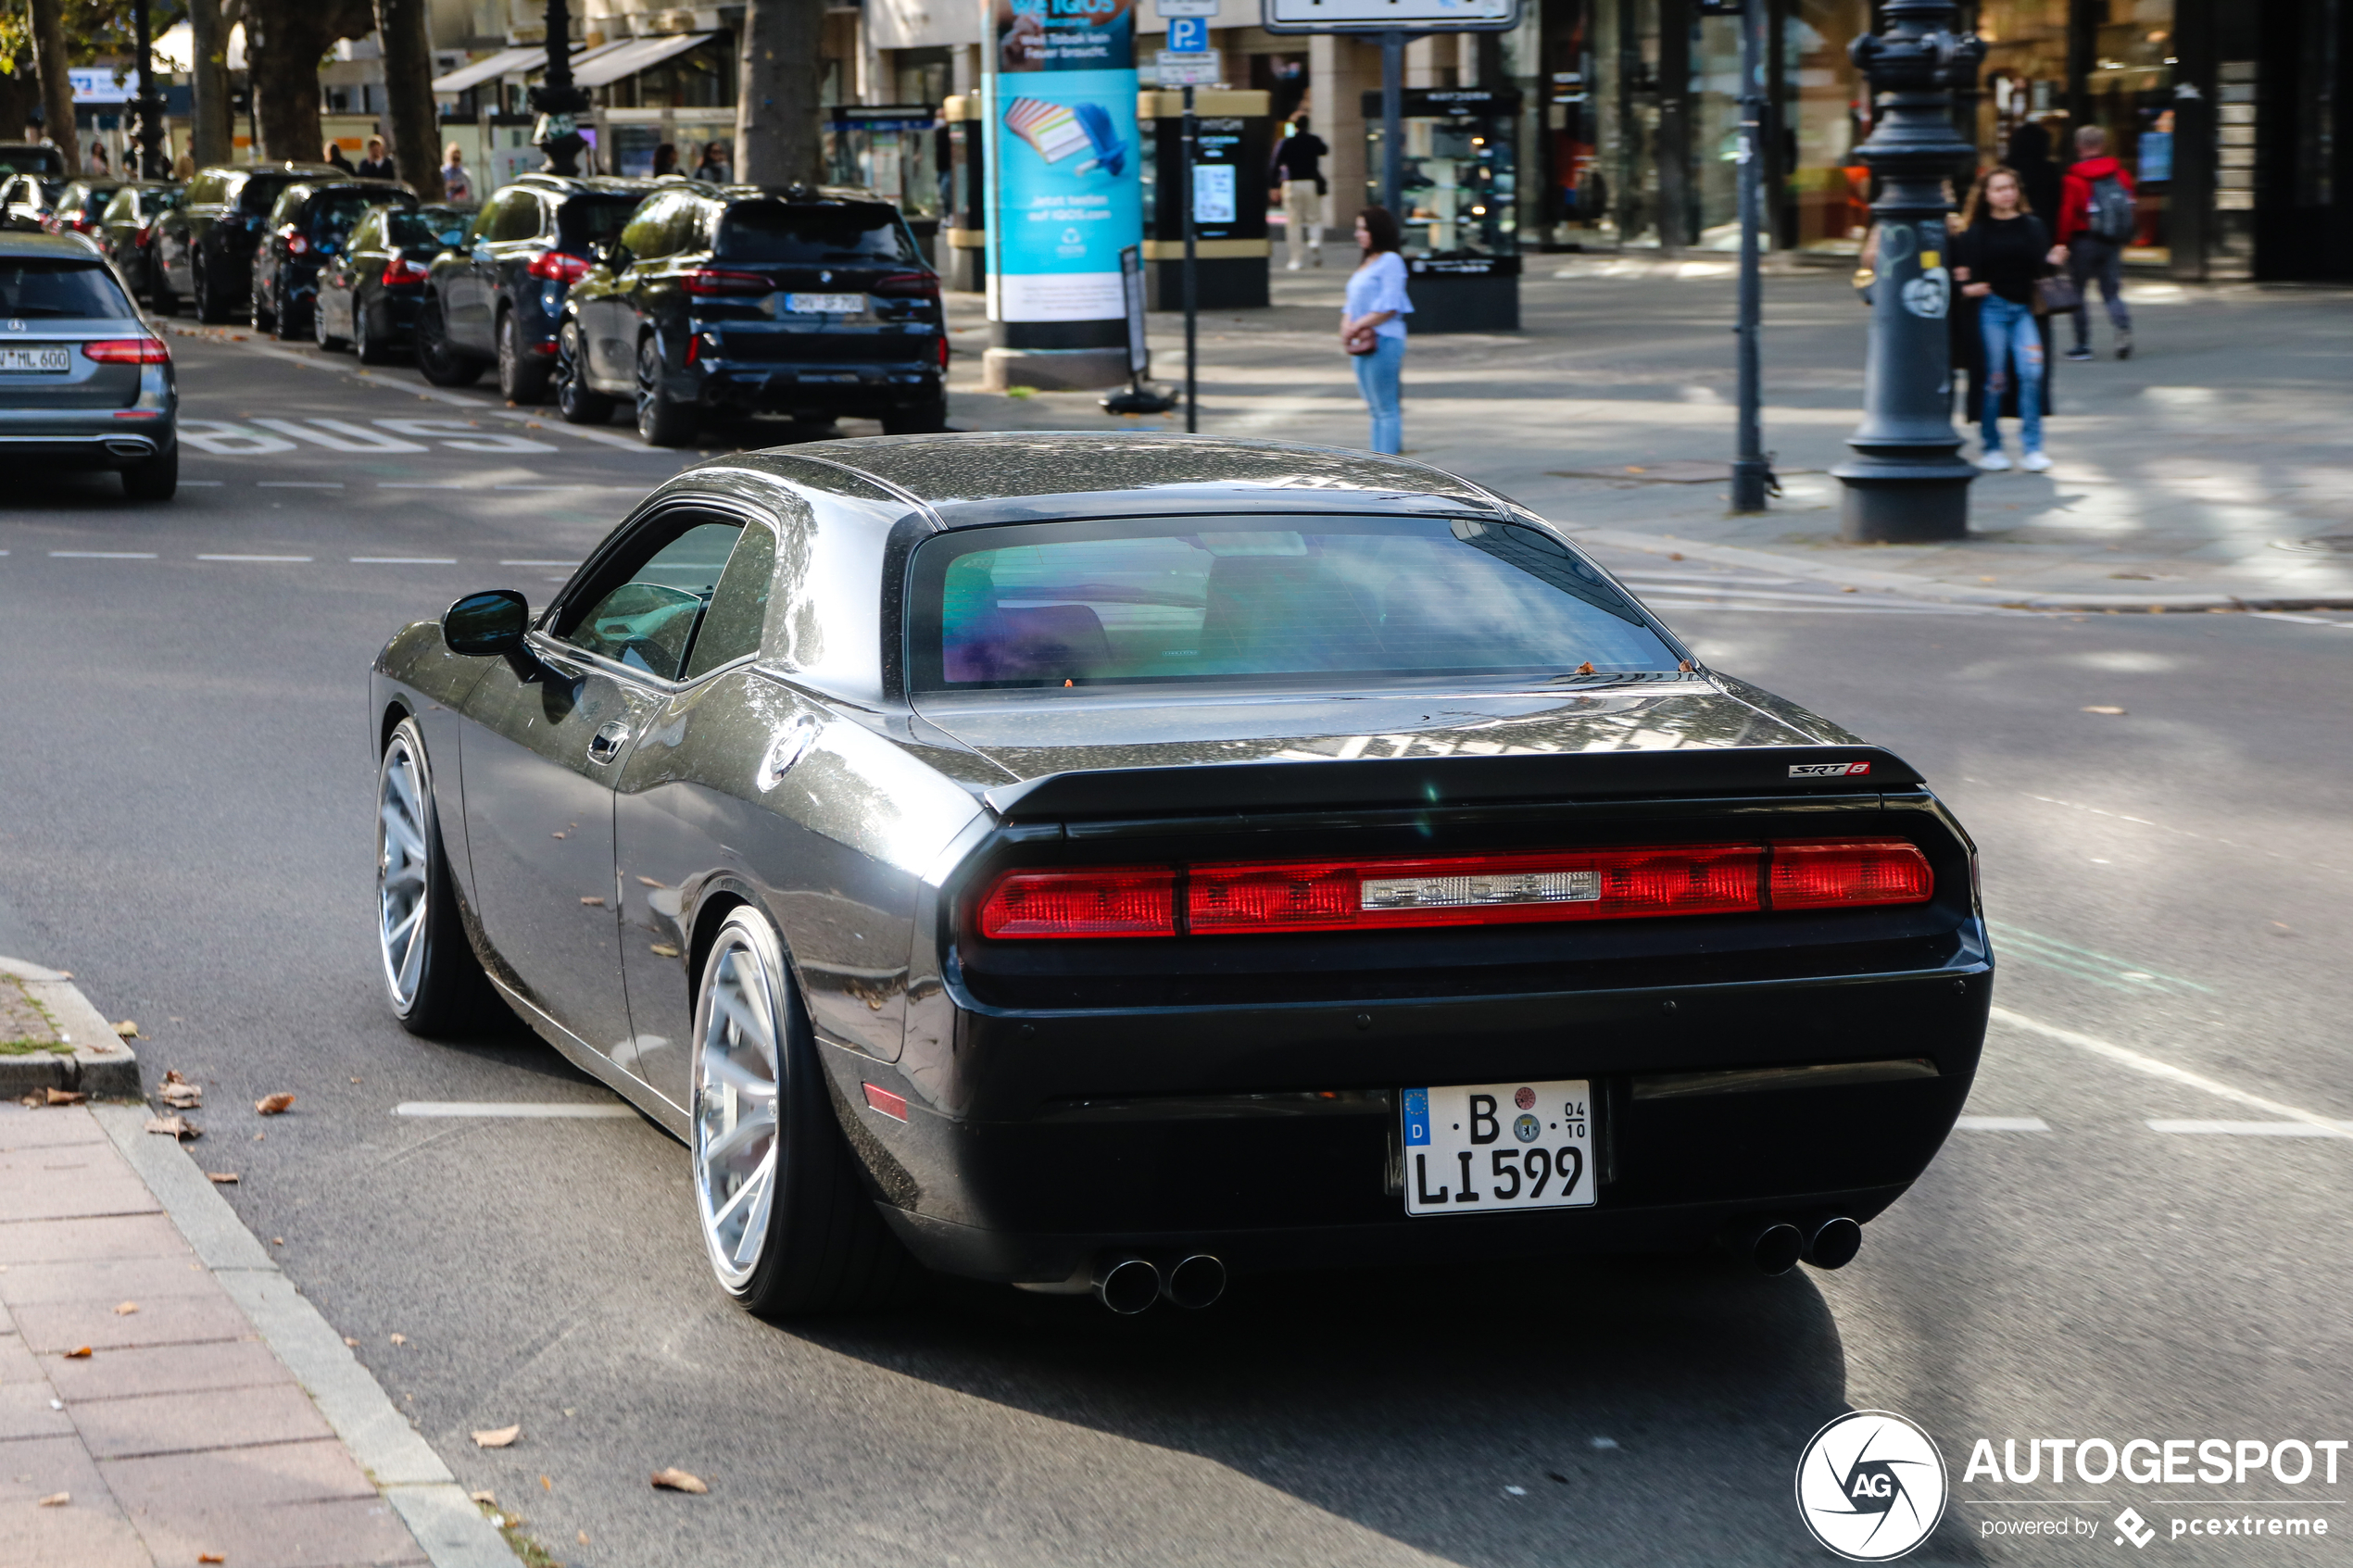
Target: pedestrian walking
<point x="2038" y="177"/>
<point x="97" y="159"/>
<point x="332" y="153"/>
<point x="2096" y="223"/>
<point x="2000" y="251"/>
<point x="456" y="185"/>
<point x="1299" y="170"/>
<point x="666" y="161"/>
<point x="1372" y="326"/>
<point x="716" y="167"/>
<point x="377" y="164"/>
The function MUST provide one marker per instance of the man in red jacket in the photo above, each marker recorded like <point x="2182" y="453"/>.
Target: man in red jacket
<point x="2096" y="223"/>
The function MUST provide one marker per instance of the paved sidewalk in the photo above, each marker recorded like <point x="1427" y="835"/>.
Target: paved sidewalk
<point x="2210" y="470"/>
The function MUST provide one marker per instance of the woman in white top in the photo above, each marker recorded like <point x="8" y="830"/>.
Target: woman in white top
<point x="1372" y="326"/>
<point x="456" y="185"/>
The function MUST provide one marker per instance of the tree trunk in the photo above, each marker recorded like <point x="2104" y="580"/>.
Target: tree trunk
<point x="777" y="139"/>
<point x="284" y="41"/>
<point x="407" y="55"/>
<point x="57" y="88"/>
<point x="19" y="95"/>
<point x="211" y="137"/>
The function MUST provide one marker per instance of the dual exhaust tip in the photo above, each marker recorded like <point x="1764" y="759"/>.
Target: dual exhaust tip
<point x="1775" y="1247"/>
<point x="1129" y="1284"/>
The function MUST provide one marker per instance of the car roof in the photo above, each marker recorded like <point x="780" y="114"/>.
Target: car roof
<point x="613" y="185"/>
<point x="810" y="194"/>
<point x="390" y="187"/>
<point x="22" y="245"/>
<point x="970" y="479"/>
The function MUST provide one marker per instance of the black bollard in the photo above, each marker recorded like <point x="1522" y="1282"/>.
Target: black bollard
<point x="1907" y="480"/>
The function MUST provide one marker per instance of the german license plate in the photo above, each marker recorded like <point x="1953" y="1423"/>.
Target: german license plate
<point x="37" y="361"/>
<point x="1476" y="1148"/>
<point x="825" y="304"/>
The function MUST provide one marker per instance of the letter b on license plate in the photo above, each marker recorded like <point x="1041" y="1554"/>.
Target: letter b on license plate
<point x="1479" y="1147"/>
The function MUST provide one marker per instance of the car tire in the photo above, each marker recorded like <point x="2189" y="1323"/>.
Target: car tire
<point x="372" y="349"/>
<point x="211" y="309"/>
<point x="661" y="421"/>
<point x="161" y="301"/>
<point x="259" y="315"/>
<point x="786" y="1220"/>
<point x="152" y="479"/>
<point x="328" y="342"/>
<point x="576" y="401"/>
<point x="431" y="977"/>
<point x="924" y="419"/>
<point x="438" y="359"/>
<point x="522" y="378"/>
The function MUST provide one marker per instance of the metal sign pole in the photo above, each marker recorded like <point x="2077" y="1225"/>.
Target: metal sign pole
<point x="1752" y="470"/>
<point x="1192" y="386"/>
<point x="1392" y="116"/>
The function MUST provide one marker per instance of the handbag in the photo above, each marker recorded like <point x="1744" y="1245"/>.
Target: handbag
<point x="2056" y="295"/>
<point x="1363" y="341"/>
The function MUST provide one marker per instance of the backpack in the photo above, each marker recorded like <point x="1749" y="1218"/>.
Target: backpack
<point x="2110" y="213"/>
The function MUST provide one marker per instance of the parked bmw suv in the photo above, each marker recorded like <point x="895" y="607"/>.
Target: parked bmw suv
<point x="307" y="224"/>
<point x="204" y="248"/>
<point x="718" y="299"/>
<point x="83" y="383"/>
<point x="497" y="297"/>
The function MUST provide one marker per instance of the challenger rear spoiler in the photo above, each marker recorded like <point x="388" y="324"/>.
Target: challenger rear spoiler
<point x="1436" y="781"/>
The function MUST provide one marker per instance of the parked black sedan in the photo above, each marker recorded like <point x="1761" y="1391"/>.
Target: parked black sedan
<point x="307" y="225"/>
<point x="738" y="299"/>
<point x="127" y="230"/>
<point x="1107" y="861"/>
<point x="203" y="249"/>
<point x="499" y="297"/>
<point x="371" y="288"/>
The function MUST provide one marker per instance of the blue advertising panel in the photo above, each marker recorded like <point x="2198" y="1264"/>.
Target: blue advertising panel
<point x="1063" y="158"/>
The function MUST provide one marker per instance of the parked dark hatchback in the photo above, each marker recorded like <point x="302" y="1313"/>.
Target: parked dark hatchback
<point x="738" y="299"/>
<point x="79" y="207"/>
<point x="32" y="157"/>
<point x="499" y="297"/>
<point x="307" y="225"/>
<point x="202" y="248"/>
<point x="371" y="288"/>
<point x="127" y="230"/>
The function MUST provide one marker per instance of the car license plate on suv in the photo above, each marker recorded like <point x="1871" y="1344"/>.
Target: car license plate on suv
<point x="825" y="304"/>
<point x="1474" y="1148"/>
<point x="39" y="362"/>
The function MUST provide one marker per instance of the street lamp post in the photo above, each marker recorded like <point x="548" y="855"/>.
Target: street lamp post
<point x="147" y="106"/>
<point x="1908" y="480"/>
<point x="558" y="103"/>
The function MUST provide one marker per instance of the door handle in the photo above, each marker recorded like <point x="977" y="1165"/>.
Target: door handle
<point x="606" y="743"/>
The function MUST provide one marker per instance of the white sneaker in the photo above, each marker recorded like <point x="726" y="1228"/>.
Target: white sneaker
<point x="2034" y="462"/>
<point x="1293" y="267"/>
<point x="1996" y="462"/>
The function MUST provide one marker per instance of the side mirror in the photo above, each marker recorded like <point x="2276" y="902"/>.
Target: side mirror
<point x="487" y="624"/>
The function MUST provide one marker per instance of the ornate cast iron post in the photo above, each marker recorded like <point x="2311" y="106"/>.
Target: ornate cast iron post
<point x="558" y="103"/>
<point x="1908" y="480"/>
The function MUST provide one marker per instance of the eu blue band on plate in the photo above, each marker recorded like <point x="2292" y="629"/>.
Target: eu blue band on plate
<point x="1418" y="1116"/>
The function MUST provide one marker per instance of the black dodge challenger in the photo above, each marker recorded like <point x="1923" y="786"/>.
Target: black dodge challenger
<point x="1107" y="863"/>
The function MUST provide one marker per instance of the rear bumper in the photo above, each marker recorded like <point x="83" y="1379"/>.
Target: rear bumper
<point x="816" y="389"/>
<point x="109" y="449"/>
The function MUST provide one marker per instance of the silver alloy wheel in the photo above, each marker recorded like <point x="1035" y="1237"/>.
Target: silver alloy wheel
<point x="404" y="875"/>
<point x="739" y="1048"/>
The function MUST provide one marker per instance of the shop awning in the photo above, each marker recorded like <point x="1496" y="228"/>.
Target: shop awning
<point x="634" y="57"/>
<point x="506" y="62"/>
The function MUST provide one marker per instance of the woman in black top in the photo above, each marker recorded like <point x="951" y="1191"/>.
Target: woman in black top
<point x="1999" y="250"/>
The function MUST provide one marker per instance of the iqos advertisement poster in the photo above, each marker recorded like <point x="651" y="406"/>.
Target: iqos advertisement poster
<point x="1061" y="158"/>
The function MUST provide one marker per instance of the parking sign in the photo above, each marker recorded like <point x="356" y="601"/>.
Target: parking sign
<point x="1187" y="35"/>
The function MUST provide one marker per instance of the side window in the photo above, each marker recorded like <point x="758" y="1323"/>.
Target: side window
<point x="645" y="609"/>
<point x="731" y="627"/>
<point x="643" y="236"/>
<point x="207" y="188"/>
<point x="288" y="202"/>
<point x="124" y="205"/>
<point x="513" y="215"/>
<point x="686" y="226"/>
<point x="369" y="233"/>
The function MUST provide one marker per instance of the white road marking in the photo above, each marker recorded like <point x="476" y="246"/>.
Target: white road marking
<point x="255" y="557"/>
<point x="404" y="560"/>
<point x="340" y="436"/>
<point x="2249" y="1129"/>
<point x="538" y="563"/>
<point x="206" y="484"/>
<point x="299" y="484"/>
<point x="392" y="484"/>
<point x="567" y="1111"/>
<point x="103" y="555"/>
<point x="465" y="435"/>
<point x="2124" y="1056"/>
<point x="2001" y="1124"/>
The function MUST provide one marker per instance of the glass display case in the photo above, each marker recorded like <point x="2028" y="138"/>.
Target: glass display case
<point x="892" y="149"/>
<point x="1460" y="193"/>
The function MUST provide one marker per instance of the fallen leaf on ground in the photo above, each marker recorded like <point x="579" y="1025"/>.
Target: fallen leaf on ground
<point x="213" y="1556"/>
<point x="79" y="1354"/>
<point x="545" y="1485"/>
<point x="1586" y="668"/>
<point x="664" y="951"/>
<point x="277" y="1241"/>
<point x="275" y="1105"/>
<point x="593" y="900"/>
<point x="125" y="1309"/>
<point x="127" y="1029"/>
<point x="677" y="1480"/>
<point x="583" y="1536"/>
<point x="499" y="1437"/>
<point x="175" y="1126"/>
<point x="1850" y="590"/>
<point x="66" y="1096"/>
<point x="1674" y="555"/>
<point x="221" y="1179"/>
<point x="2104" y="708"/>
<point x="56" y="1500"/>
<point x="486" y="1497"/>
<point x="180" y="1096"/>
<point x="400" y="1339"/>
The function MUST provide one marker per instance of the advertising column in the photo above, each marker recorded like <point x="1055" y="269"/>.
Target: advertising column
<point x="1064" y="191"/>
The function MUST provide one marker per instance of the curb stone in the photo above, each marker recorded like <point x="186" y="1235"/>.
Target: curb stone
<point x="100" y="1066"/>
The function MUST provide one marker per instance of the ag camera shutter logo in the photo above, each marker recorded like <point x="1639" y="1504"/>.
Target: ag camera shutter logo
<point x="1872" y="1485"/>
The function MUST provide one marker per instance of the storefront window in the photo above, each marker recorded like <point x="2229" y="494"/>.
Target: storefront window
<point x="1829" y="113"/>
<point x="1715" y="130"/>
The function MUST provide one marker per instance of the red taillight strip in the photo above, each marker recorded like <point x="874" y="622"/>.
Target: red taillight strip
<point x="1231" y="899"/>
<point x="128" y="351"/>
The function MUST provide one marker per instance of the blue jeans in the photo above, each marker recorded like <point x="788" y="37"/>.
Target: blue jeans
<point x="2010" y="335"/>
<point x="1378" y="376"/>
<point x="2089" y="258"/>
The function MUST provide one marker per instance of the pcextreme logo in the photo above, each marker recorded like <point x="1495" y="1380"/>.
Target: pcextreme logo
<point x="1872" y="1485"/>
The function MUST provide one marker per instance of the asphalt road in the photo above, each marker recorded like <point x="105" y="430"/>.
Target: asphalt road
<point x="184" y="798"/>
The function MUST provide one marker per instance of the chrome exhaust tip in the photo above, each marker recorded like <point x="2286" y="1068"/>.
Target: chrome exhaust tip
<point x="1125" y="1283"/>
<point x="1832" y="1241"/>
<point x="131" y="448"/>
<point x="1193" y="1282"/>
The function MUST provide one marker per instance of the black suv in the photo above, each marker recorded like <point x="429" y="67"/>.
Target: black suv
<point x="738" y="299"/>
<point x="308" y="223"/>
<point x="498" y="297"/>
<point x="202" y="248"/>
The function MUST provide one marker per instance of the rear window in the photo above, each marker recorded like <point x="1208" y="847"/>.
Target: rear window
<point x="262" y="191"/>
<point x="31" y="160"/>
<point x="333" y="213"/>
<point x="593" y="221"/>
<point x="772" y="231"/>
<point x="59" y="288"/>
<point x="1272" y="600"/>
<point x="426" y="226"/>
